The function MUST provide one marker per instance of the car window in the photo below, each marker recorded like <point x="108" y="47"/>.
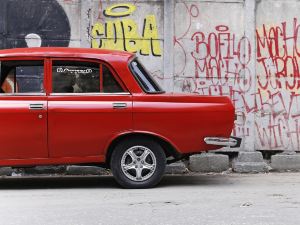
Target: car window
<point x="110" y="85"/>
<point x="82" y="77"/>
<point x="22" y="77"/>
<point x="75" y="77"/>
<point x="147" y="83"/>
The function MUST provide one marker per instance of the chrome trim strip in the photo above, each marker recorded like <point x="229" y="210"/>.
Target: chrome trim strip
<point x="88" y="94"/>
<point x="22" y="94"/>
<point x="221" y="141"/>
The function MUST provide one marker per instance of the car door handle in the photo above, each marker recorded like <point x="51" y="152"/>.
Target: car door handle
<point x="119" y="105"/>
<point x="37" y="106"/>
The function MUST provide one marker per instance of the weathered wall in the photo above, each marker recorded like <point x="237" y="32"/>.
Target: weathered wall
<point x="246" y="49"/>
<point x="210" y="55"/>
<point x="135" y="26"/>
<point x="278" y="83"/>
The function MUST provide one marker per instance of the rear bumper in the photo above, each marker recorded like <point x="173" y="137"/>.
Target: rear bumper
<point x="232" y="142"/>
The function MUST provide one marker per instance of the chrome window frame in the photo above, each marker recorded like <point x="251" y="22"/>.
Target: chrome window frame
<point x="23" y="94"/>
<point x="89" y="94"/>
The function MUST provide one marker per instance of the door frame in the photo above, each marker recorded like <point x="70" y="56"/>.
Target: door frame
<point x="31" y="96"/>
<point x="93" y="96"/>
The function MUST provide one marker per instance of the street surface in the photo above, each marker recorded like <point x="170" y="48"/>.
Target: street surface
<point x="218" y="199"/>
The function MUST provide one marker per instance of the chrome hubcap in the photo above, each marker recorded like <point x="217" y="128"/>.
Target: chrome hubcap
<point x="138" y="163"/>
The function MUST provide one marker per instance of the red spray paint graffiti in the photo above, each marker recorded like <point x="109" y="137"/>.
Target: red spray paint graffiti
<point x="221" y="59"/>
<point x="278" y="56"/>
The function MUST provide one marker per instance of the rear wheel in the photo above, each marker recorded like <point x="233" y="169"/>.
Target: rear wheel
<point x="138" y="163"/>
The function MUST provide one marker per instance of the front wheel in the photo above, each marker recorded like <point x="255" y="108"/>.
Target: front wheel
<point x="138" y="163"/>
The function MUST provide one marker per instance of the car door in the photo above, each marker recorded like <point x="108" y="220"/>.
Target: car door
<point x="88" y="106"/>
<point x="23" y="109"/>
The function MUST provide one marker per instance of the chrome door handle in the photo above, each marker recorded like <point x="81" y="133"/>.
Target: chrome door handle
<point x="37" y="106"/>
<point x="119" y="105"/>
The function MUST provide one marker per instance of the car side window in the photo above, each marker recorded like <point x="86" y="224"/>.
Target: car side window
<point x="22" y="77"/>
<point x="82" y="77"/>
<point x="75" y="77"/>
<point x="110" y="85"/>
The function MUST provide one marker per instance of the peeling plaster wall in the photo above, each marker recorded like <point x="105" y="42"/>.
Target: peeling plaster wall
<point x="245" y="49"/>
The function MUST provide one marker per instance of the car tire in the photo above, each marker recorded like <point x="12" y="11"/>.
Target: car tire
<point x="138" y="163"/>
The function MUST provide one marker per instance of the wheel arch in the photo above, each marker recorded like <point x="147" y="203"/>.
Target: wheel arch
<point x="168" y="147"/>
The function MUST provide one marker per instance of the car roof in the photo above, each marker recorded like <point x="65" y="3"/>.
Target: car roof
<point x="91" y="53"/>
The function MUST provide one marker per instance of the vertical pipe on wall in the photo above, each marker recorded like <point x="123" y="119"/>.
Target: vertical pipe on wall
<point x="168" y="56"/>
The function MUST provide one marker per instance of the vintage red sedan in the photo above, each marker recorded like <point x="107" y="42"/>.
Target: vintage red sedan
<point x="101" y="107"/>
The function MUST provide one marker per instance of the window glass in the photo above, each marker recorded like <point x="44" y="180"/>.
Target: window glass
<point x="22" y="77"/>
<point x="75" y="77"/>
<point x="110" y="85"/>
<point x="147" y="83"/>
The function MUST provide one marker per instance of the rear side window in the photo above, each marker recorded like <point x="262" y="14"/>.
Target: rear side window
<point x="75" y="77"/>
<point x="146" y="82"/>
<point x="22" y="77"/>
<point x="83" y="77"/>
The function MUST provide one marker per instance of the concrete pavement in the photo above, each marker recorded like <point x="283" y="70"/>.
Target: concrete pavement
<point x="218" y="199"/>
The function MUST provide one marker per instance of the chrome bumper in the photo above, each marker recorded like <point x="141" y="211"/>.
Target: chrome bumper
<point x="232" y="142"/>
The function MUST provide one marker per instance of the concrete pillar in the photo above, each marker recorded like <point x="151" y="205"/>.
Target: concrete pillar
<point x="248" y="159"/>
<point x="250" y="34"/>
<point x="85" y="23"/>
<point x="168" y="55"/>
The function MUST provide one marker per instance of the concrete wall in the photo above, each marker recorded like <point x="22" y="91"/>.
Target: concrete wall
<point x="248" y="50"/>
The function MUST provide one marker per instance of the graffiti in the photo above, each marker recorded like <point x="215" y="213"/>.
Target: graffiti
<point x="212" y="55"/>
<point x="278" y="56"/>
<point x="25" y="21"/>
<point x="219" y="55"/>
<point x="279" y="127"/>
<point x="110" y="11"/>
<point x="220" y="66"/>
<point x="123" y="34"/>
<point x="278" y="85"/>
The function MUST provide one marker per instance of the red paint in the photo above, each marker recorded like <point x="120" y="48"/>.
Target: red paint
<point x="83" y="125"/>
<point x="278" y="49"/>
<point x="219" y="54"/>
<point x="80" y="128"/>
<point x="22" y="134"/>
<point x="184" y="119"/>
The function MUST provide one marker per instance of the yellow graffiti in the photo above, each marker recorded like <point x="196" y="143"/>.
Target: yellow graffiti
<point x="150" y="37"/>
<point x="110" y="11"/>
<point x="124" y="34"/>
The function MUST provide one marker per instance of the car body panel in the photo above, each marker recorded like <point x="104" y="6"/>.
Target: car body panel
<point x="82" y="125"/>
<point x="23" y="131"/>
<point x="184" y="119"/>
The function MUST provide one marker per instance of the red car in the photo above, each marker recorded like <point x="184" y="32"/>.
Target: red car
<point x="101" y="107"/>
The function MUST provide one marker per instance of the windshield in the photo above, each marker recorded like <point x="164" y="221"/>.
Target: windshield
<point x="147" y="83"/>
